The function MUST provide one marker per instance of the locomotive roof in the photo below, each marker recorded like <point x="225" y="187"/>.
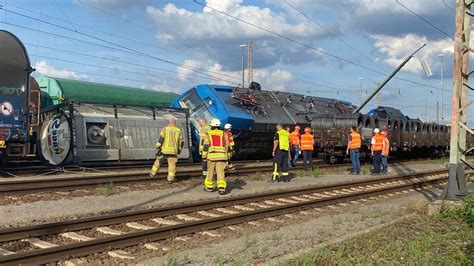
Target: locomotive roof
<point x="60" y="90"/>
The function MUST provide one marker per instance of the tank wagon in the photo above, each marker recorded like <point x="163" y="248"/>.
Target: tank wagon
<point x="254" y="112"/>
<point x="98" y="122"/>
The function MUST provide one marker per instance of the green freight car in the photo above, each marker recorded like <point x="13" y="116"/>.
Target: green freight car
<point x="57" y="90"/>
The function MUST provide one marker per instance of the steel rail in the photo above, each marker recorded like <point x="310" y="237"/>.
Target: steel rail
<point x="76" y="182"/>
<point x="129" y="239"/>
<point x="9" y="234"/>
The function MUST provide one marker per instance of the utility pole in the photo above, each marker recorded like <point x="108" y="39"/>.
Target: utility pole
<point x="442" y="88"/>
<point x="243" y="65"/>
<point x="249" y="62"/>
<point x="456" y="182"/>
<point x="437" y="112"/>
<point x="361" y="94"/>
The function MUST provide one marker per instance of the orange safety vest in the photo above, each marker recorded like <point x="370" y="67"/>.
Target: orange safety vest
<point x="295" y="138"/>
<point x="307" y="142"/>
<point x="355" y="141"/>
<point x="387" y="147"/>
<point x="378" y="142"/>
<point x="230" y="137"/>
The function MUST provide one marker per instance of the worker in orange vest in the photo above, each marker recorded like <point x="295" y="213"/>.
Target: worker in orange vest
<point x="228" y="131"/>
<point x="307" y="147"/>
<point x="353" y="150"/>
<point x="295" y="144"/>
<point x="385" y="151"/>
<point x="376" y="150"/>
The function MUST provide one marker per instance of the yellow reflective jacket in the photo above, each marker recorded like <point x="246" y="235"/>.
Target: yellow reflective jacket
<point x="171" y="140"/>
<point x="216" y="145"/>
<point x="283" y="140"/>
<point x="202" y="136"/>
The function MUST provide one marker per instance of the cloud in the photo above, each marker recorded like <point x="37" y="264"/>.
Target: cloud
<point x="219" y="36"/>
<point x="398" y="48"/>
<point x="42" y="67"/>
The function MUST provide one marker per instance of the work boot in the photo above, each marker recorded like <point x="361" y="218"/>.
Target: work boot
<point x="209" y="189"/>
<point x="152" y="175"/>
<point x="221" y="191"/>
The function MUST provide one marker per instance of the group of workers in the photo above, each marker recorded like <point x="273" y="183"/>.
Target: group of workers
<point x="379" y="149"/>
<point x="216" y="147"/>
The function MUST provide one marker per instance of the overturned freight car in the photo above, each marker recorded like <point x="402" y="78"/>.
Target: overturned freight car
<point x="86" y="122"/>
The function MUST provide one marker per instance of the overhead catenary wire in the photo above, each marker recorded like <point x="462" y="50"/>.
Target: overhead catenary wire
<point x="118" y="45"/>
<point x="334" y="35"/>
<point x="304" y="44"/>
<point x="424" y="20"/>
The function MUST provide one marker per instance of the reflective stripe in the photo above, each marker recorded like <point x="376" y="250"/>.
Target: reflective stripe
<point x="355" y="141"/>
<point x="378" y="144"/>
<point x="209" y="184"/>
<point x="307" y="142"/>
<point x="172" y="138"/>
<point x="221" y="184"/>
<point x="283" y="140"/>
<point x="275" y="172"/>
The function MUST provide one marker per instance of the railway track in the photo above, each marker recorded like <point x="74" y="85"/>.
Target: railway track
<point x="44" y="243"/>
<point x="18" y="187"/>
<point x="11" y="187"/>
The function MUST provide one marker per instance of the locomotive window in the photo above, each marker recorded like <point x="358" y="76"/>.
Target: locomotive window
<point x="200" y="112"/>
<point x="190" y="100"/>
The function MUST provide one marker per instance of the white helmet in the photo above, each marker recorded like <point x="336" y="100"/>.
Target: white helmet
<point x="376" y="130"/>
<point x="215" y="123"/>
<point x="227" y="126"/>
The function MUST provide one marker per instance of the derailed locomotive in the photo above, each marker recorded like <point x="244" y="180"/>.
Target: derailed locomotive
<point x="254" y="113"/>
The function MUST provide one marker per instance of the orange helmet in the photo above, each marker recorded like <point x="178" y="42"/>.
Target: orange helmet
<point x="297" y="127"/>
<point x="307" y="129"/>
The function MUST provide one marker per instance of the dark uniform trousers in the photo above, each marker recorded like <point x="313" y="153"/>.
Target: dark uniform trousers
<point x="280" y="163"/>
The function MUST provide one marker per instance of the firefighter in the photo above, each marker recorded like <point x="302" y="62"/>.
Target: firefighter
<point x="295" y="144"/>
<point x="204" y="127"/>
<point x="385" y="151"/>
<point x="376" y="150"/>
<point x="353" y="149"/>
<point x="168" y="146"/>
<point x="215" y="149"/>
<point x="307" y="147"/>
<point x="281" y="145"/>
<point x="228" y="131"/>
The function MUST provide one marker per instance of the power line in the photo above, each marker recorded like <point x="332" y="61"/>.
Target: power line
<point x="424" y="19"/>
<point x="289" y="39"/>
<point x="334" y="35"/>
<point x="303" y="44"/>
<point x="448" y="7"/>
<point x="117" y="49"/>
<point x="121" y="46"/>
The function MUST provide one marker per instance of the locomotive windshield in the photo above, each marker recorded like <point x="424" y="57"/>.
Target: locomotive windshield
<point x="196" y="106"/>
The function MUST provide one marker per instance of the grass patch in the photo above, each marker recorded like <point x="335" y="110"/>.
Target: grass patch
<point x="106" y="189"/>
<point x="258" y="176"/>
<point x="171" y="260"/>
<point x="421" y="240"/>
<point x="317" y="172"/>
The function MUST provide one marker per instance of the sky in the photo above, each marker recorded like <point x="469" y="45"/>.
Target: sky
<point x="329" y="48"/>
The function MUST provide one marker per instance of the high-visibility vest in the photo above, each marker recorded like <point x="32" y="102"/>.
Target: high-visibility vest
<point x="202" y="136"/>
<point x="307" y="142"/>
<point x="378" y="142"/>
<point x="171" y="140"/>
<point x="386" y="150"/>
<point x="217" y="149"/>
<point x="230" y="137"/>
<point x="295" y="138"/>
<point x="283" y="140"/>
<point x="355" y="141"/>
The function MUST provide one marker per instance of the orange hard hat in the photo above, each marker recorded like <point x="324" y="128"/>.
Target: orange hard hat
<point x="307" y="129"/>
